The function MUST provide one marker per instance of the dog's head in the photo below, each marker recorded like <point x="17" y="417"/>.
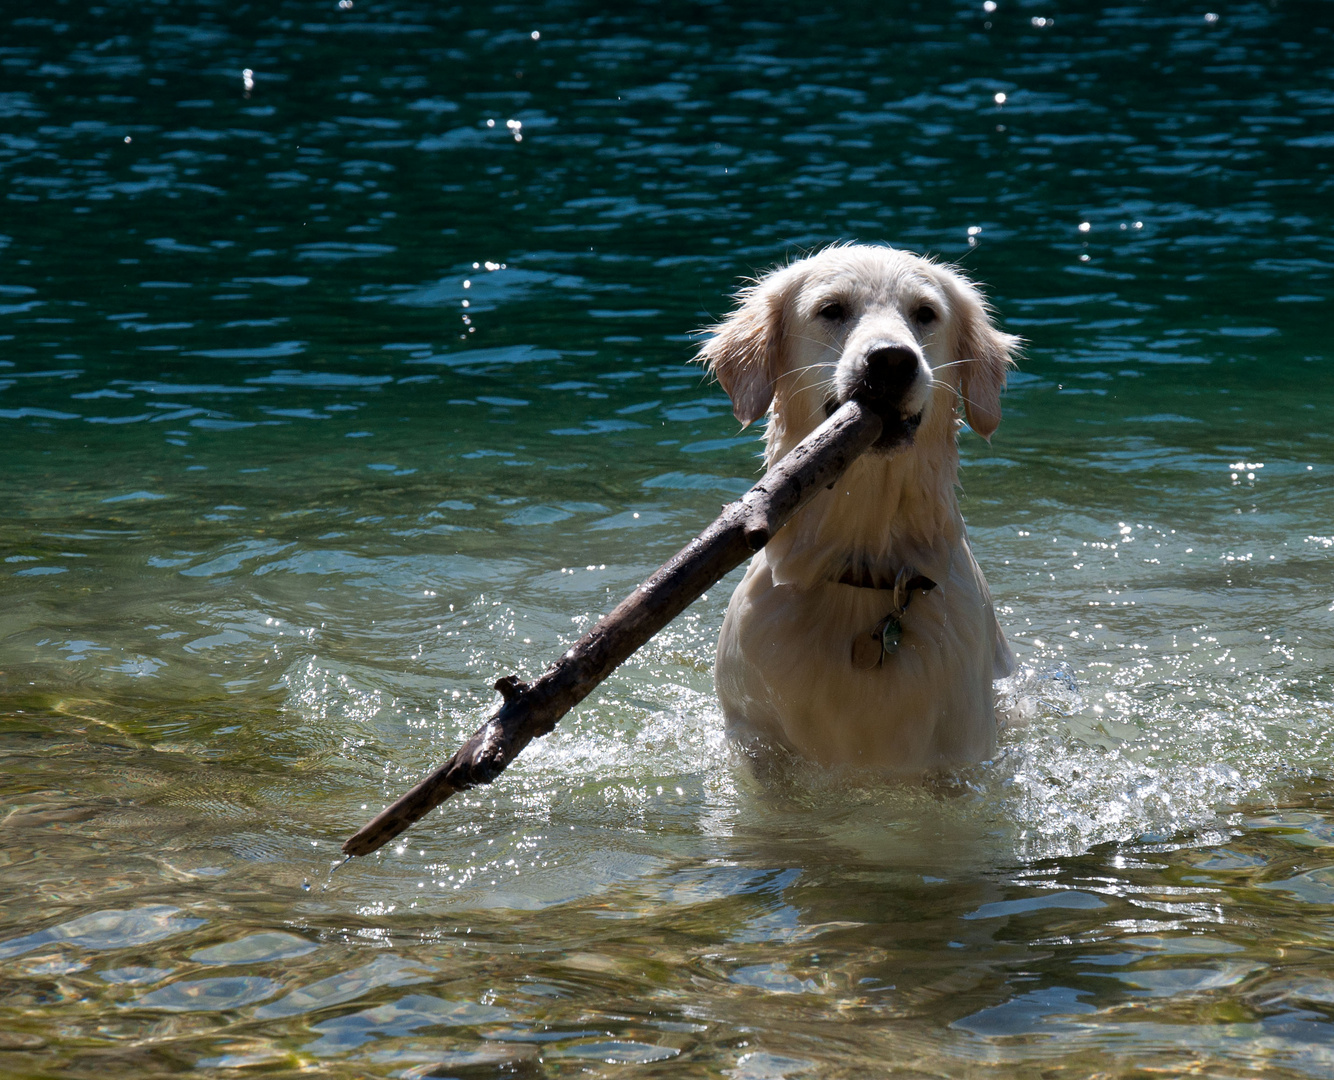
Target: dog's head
<point x="906" y="335"/>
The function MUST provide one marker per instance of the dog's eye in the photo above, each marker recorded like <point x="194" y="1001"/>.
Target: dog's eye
<point x="925" y="315"/>
<point x="833" y="311"/>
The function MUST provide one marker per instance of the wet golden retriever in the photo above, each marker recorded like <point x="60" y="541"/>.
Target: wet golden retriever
<point x="863" y="633"/>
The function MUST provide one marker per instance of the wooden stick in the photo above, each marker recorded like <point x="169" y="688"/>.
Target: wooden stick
<point x="530" y="710"/>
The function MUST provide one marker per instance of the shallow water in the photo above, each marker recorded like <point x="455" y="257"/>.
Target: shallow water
<point x="281" y="507"/>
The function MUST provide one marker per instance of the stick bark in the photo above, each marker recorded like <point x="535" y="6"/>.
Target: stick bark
<point x="530" y="710"/>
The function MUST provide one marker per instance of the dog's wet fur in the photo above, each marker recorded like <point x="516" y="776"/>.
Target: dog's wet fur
<point x="915" y="341"/>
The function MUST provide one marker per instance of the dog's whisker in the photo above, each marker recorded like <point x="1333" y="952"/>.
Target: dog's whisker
<point x="964" y="398"/>
<point x="794" y="373"/>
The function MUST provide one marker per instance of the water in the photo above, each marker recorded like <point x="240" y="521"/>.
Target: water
<point x="280" y="508"/>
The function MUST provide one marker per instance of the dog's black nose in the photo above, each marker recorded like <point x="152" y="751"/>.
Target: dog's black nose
<point x="889" y="372"/>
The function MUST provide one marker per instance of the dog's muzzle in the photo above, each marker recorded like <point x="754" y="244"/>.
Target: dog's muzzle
<point x="883" y="380"/>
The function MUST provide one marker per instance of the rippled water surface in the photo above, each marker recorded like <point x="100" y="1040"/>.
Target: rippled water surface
<point x="344" y="368"/>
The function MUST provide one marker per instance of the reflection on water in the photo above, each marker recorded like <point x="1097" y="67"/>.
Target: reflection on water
<point x="344" y="370"/>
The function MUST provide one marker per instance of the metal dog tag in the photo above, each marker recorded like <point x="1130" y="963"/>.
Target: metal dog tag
<point x="866" y="650"/>
<point x="891" y="633"/>
<point x="871" y="648"/>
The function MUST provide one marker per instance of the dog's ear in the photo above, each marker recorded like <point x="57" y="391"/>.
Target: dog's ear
<point x="985" y="356"/>
<point x="743" y="351"/>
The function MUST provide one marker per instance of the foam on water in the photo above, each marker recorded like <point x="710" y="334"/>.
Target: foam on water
<point x="1145" y="750"/>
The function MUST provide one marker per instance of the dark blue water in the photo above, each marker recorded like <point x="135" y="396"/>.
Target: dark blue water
<point x="344" y="366"/>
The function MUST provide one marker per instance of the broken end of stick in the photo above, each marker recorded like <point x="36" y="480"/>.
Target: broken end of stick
<point x="478" y="761"/>
<point x="373" y="836"/>
<point x="399" y="816"/>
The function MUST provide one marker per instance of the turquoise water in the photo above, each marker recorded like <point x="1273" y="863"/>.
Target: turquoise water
<point x="280" y="507"/>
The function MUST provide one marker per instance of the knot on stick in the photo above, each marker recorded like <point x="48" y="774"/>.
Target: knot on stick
<point x="511" y="687"/>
